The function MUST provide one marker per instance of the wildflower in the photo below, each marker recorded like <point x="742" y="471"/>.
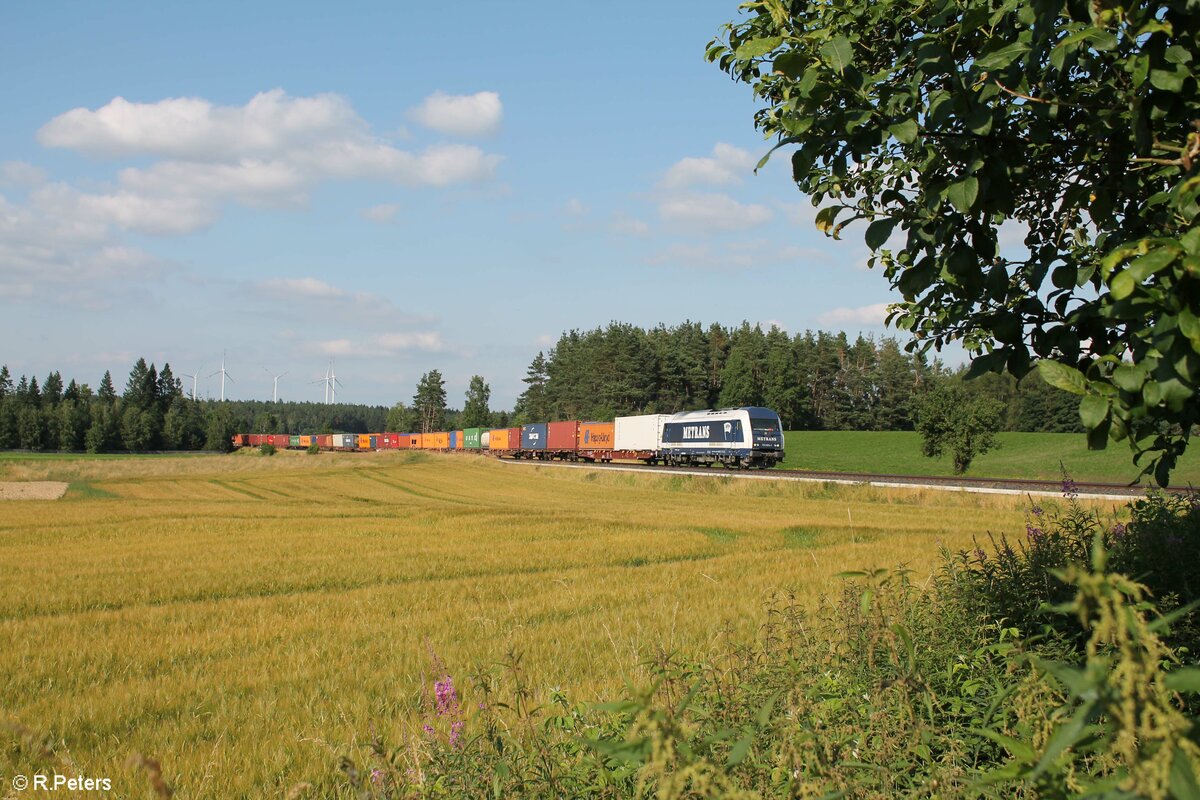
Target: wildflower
<point x="456" y="728"/>
<point x="445" y="696"/>
<point x="1034" y="535"/>
<point x="1119" y="530"/>
<point x="377" y="776"/>
<point x="1069" y="489"/>
<point x="979" y="554"/>
<point x="1036" y="511"/>
<point x="429" y="731"/>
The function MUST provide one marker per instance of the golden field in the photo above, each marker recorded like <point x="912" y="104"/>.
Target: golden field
<point x="248" y="620"/>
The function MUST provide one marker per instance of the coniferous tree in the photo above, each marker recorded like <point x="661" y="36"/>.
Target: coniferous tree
<point x="52" y="389"/>
<point x="430" y="402"/>
<point x="6" y="382"/>
<point x="9" y="433"/>
<point x="475" y="411"/>
<point x="533" y="403"/>
<point x="107" y="393"/>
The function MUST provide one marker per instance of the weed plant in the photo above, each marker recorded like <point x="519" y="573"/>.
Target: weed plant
<point x="1038" y="671"/>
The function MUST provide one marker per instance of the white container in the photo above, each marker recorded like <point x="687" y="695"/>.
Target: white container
<point x="640" y="433"/>
<point x="484" y="438"/>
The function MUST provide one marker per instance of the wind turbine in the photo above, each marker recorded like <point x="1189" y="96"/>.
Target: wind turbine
<point x="275" y="392"/>
<point x="325" y="381"/>
<point x="223" y="375"/>
<point x="193" y="377"/>
<point x="333" y="381"/>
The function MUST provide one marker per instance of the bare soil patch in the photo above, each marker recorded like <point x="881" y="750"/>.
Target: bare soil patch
<point x="32" y="490"/>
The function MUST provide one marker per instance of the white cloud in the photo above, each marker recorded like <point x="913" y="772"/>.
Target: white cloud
<point x="726" y="165"/>
<point x="702" y="256"/>
<point x="302" y="288"/>
<point x="70" y="256"/>
<point x="872" y="315"/>
<point x="710" y="212"/>
<point x="193" y="129"/>
<point x="21" y="175"/>
<point x="461" y="115"/>
<point x="392" y="343"/>
<point x="380" y="345"/>
<point x="575" y="207"/>
<point x="624" y="224"/>
<point x="271" y="152"/>
<point x="382" y="213"/>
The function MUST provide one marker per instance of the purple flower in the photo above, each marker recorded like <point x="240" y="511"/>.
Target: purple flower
<point x="1035" y="534"/>
<point x="979" y="554"/>
<point x="1069" y="489"/>
<point x="1037" y="511"/>
<point x="456" y="728"/>
<point x="377" y="776"/>
<point x="1119" y="530"/>
<point x="429" y="731"/>
<point x="445" y="697"/>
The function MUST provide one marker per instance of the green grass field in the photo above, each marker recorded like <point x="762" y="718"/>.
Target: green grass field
<point x="247" y="620"/>
<point x="1020" y="455"/>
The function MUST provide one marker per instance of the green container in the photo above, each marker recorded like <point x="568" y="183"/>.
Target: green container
<point x="471" y="437"/>
<point x="293" y="441"/>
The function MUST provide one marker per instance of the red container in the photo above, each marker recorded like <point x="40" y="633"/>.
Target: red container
<point x="256" y="439"/>
<point x="562" y="436"/>
<point x="514" y="438"/>
<point x="280" y="440"/>
<point x="325" y="440"/>
<point x="241" y="440"/>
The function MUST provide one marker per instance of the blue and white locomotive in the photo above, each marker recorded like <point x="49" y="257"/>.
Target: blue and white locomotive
<point x="745" y="438"/>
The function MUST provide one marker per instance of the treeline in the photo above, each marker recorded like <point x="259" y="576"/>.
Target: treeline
<point x="815" y="380"/>
<point x="152" y="413"/>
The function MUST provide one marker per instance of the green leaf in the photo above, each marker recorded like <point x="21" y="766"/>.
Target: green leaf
<point x="962" y="194"/>
<point x="838" y="53"/>
<point x="1093" y="410"/>
<point x="1167" y="80"/>
<point x="1063" y="377"/>
<point x="738" y="753"/>
<point x="1017" y="748"/>
<point x="1122" y="285"/>
<point x="1129" y="378"/>
<point x="1075" y="729"/>
<point x="879" y="231"/>
<point x="1183" y="777"/>
<point x="905" y="132"/>
<point x="1002" y="57"/>
<point x="791" y="64"/>
<point x="756" y="48"/>
<point x="1183" y="680"/>
<point x="826" y="218"/>
<point x="1154" y="261"/>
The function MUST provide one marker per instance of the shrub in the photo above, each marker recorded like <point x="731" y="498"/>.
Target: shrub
<point x="266" y="449"/>
<point x="313" y="449"/>
<point x="889" y="690"/>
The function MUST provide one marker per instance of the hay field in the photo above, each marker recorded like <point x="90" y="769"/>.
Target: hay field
<point x="247" y="620"/>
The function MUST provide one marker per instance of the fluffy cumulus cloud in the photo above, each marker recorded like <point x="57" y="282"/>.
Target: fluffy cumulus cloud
<point x="726" y="165"/>
<point x="711" y="212"/>
<point x="270" y="152"/>
<point x="468" y="115"/>
<point x="871" y="316"/>
<point x="20" y="175"/>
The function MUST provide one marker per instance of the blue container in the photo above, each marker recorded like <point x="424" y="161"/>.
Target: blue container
<point x="374" y="442"/>
<point x="533" y="437"/>
<point x="454" y="440"/>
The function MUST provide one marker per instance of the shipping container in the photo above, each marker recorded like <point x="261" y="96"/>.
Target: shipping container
<point x="374" y="438"/>
<point x="293" y="441"/>
<point x="454" y="439"/>
<point x="439" y="440"/>
<point x="596" y="436"/>
<point x="280" y="440"/>
<point x="405" y="441"/>
<point x="362" y="441"/>
<point x="458" y="446"/>
<point x="485" y="440"/>
<point x="498" y="439"/>
<point x="563" y="437"/>
<point x="240" y="439"/>
<point x="252" y="439"/>
<point x="471" y="438"/>
<point x="344" y="441"/>
<point x="514" y="439"/>
<point x="325" y="440"/>
<point x="638" y="437"/>
<point x="533" y="437"/>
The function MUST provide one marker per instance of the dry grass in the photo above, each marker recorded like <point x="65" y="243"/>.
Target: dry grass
<point x="244" y="620"/>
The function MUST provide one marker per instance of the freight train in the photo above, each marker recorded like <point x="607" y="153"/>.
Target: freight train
<point x="737" y="438"/>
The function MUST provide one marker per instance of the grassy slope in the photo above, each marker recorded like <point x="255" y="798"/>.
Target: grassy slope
<point x="245" y="619"/>
<point x="1020" y="455"/>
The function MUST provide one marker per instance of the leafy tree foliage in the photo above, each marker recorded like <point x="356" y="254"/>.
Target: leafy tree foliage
<point x="951" y="421"/>
<point x="1073" y="125"/>
<point x="430" y="402"/>
<point x="401" y="418"/>
<point x="475" y="413"/>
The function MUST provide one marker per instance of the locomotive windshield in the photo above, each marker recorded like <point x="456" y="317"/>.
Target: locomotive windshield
<point x="766" y="430"/>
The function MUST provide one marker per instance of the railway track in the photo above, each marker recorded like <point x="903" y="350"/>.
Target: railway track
<point x="1093" y="490"/>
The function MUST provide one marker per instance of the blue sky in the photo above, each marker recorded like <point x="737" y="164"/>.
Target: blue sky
<point x="395" y="186"/>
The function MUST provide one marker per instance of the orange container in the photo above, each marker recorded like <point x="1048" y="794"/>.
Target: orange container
<point x="305" y="441"/>
<point x="435" y="441"/>
<point x="364" y="441"/>
<point x="498" y="439"/>
<point x="595" y="436"/>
